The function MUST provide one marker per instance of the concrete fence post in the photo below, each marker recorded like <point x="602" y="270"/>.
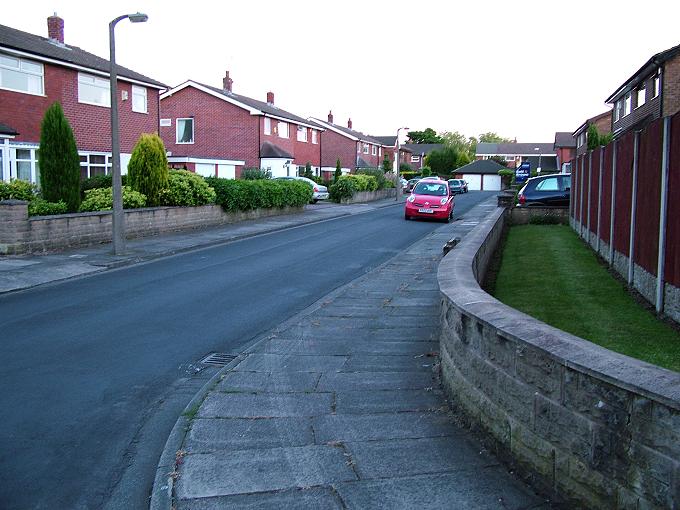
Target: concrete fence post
<point x="590" y="171"/>
<point x="14" y="228"/>
<point x="612" y="212"/>
<point x="599" y="201"/>
<point x="633" y="208"/>
<point x="663" y="214"/>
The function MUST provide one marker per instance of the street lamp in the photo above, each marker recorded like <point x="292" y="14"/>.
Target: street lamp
<point x="118" y="218"/>
<point x="396" y="163"/>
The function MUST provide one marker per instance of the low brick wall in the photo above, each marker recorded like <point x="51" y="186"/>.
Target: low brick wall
<point x="20" y="233"/>
<point x="370" y="196"/>
<point x="590" y="426"/>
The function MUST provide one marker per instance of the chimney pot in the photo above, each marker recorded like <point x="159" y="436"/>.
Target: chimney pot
<point x="55" y="28"/>
<point x="270" y="97"/>
<point x="349" y="123"/>
<point x="330" y="117"/>
<point x="226" y="82"/>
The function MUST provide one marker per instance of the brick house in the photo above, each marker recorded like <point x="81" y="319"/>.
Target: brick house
<point x="419" y="151"/>
<point x="542" y="156"/>
<point x="652" y="92"/>
<point x="565" y="147"/>
<point x="602" y="122"/>
<point x="37" y="71"/>
<point x="389" y="146"/>
<point x="353" y="148"/>
<point x="215" y="132"/>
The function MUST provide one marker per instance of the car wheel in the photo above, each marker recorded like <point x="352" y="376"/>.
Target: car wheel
<point x="406" y="217"/>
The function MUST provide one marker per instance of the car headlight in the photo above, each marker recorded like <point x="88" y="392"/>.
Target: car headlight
<point x="443" y="200"/>
<point x="411" y="198"/>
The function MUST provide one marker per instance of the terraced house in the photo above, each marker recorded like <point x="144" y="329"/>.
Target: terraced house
<point x="36" y="71"/>
<point x="216" y="132"/>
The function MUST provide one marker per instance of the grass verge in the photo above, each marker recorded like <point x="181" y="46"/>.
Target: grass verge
<point x="547" y="272"/>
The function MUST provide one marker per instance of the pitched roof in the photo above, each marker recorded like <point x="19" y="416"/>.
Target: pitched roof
<point x="646" y="69"/>
<point x="6" y="130"/>
<point x="423" y="148"/>
<point x="513" y="149"/>
<point x="480" y="166"/>
<point x="269" y="150"/>
<point x="347" y="132"/>
<point x="564" y="139"/>
<point x="64" y="54"/>
<point x="388" y="141"/>
<point x="590" y="121"/>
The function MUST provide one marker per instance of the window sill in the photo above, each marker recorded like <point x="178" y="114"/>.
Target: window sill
<point x="95" y="104"/>
<point x="184" y="143"/>
<point x="23" y="92"/>
<point x="144" y="113"/>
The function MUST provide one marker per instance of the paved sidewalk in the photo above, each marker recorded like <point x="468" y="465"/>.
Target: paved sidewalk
<point x="341" y="408"/>
<point x="25" y="271"/>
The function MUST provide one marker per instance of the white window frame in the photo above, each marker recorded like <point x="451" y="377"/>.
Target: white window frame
<point x="283" y="128"/>
<point x="627" y="104"/>
<point x="618" y="110"/>
<point x="657" y="84"/>
<point x="140" y="92"/>
<point x="365" y="148"/>
<point x="193" y="130"/>
<point x="374" y="150"/>
<point x="415" y="159"/>
<point x="267" y="126"/>
<point x="641" y="96"/>
<point x="315" y="136"/>
<point x="32" y="160"/>
<point x="21" y="68"/>
<point x="89" y="165"/>
<point x="89" y="82"/>
<point x="358" y="147"/>
<point x="301" y="134"/>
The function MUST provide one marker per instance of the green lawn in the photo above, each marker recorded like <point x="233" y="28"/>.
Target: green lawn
<point x="546" y="271"/>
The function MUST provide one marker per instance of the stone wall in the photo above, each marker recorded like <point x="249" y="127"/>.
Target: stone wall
<point x="370" y="196"/>
<point x="590" y="426"/>
<point x="21" y="234"/>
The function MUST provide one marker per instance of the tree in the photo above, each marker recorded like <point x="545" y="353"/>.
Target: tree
<point x="148" y="168"/>
<point x="492" y="137"/>
<point x="427" y="136"/>
<point x="460" y="142"/>
<point x="308" y="170"/>
<point x="58" y="159"/>
<point x="338" y="171"/>
<point x="445" y="161"/>
<point x="595" y="139"/>
<point x="386" y="164"/>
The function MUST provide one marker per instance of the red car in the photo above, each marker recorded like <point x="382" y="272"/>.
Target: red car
<point x="430" y="198"/>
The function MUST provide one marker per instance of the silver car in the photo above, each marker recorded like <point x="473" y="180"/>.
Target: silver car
<point x="320" y="192"/>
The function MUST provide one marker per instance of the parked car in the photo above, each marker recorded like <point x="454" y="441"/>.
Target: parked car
<point x="409" y="185"/>
<point x="465" y="185"/>
<point x="551" y="190"/>
<point x="430" y="198"/>
<point x="456" y="185"/>
<point x="319" y="192"/>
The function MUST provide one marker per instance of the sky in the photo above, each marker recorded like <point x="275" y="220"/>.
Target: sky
<point x="522" y="69"/>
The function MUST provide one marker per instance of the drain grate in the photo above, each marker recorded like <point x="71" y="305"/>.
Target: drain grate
<point x="218" y="359"/>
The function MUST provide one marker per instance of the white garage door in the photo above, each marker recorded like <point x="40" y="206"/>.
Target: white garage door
<point x="206" y="170"/>
<point x="226" y="171"/>
<point x="491" y="183"/>
<point x="474" y="181"/>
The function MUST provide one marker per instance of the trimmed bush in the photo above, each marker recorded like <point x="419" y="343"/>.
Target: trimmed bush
<point x="17" y="190"/>
<point x="59" y="160"/>
<point x="379" y="176"/>
<point x="148" y="168"/>
<point x="41" y="207"/>
<point x="362" y="182"/>
<point x="101" y="199"/>
<point x="187" y="189"/>
<point x="338" y="171"/>
<point x="239" y="195"/>
<point x="99" y="181"/>
<point x="342" y="189"/>
<point x="255" y="174"/>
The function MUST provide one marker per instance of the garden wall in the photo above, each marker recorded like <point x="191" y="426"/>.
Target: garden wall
<point x="622" y="204"/>
<point x="592" y="427"/>
<point x="20" y="233"/>
<point x="370" y="196"/>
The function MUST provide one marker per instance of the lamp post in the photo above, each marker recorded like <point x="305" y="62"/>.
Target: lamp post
<point x="118" y="222"/>
<point x="396" y="163"/>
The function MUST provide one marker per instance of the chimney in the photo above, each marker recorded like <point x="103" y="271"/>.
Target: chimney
<point x="270" y="97"/>
<point x="349" y="123"/>
<point x="55" y="28"/>
<point x="330" y="117"/>
<point x="226" y="82"/>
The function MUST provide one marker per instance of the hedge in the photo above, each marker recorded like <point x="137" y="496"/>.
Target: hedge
<point x="239" y="195"/>
<point x="101" y="199"/>
<point x="186" y="189"/>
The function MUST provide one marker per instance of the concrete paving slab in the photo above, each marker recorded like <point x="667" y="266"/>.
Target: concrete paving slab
<point x="343" y="347"/>
<point x="290" y="363"/>
<point x="269" y="381"/>
<point x="372" y="427"/>
<point x="319" y="498"/>
<point x="383" y="363"/>
<point x="249" y="471"/>
<point x="333" y="334"/>
<point x="386" y="401"/>
<point x="207" y="435"/>
<point x="265" y="405"/>
<point x="356" y="381"/>
<point x="463" y="489"/>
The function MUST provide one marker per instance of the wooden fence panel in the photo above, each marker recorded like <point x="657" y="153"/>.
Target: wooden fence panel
<point x="605" y="210"/>
<point x="624" y="191"/>
<point x="672" y="261"/>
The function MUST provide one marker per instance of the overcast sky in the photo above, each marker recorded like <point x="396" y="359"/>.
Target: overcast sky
<point x="521" y="68"/>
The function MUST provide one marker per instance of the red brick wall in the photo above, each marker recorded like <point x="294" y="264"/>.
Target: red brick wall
<point x="221" y="130"/>
<point x="334" y="146"/>
<point x="671" y="86"/>
<point x="307" y="151"/>
<point x="91" y="124"/>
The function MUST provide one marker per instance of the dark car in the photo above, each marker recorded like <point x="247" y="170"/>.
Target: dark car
<point x="552" y="190"/>
<point x="409" y="185"/>
<point x="457" y="185"/>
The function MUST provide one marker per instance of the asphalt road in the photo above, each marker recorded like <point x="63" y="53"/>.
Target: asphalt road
<point x="95" y="371"/>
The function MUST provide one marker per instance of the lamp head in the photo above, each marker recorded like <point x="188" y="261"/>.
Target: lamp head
<point x="138" y="17"/>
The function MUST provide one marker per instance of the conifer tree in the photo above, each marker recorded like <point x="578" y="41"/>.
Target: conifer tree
<point x="338" y="171"/>
<point x="148" y="168"/>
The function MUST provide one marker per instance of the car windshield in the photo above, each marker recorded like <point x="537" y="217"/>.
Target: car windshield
<point x="431" y="188"/>
<point x="454" y="182"/>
